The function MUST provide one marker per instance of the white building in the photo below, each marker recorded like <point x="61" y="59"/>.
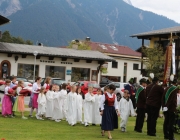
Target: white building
<point x="127" y="64"/>
<point x="68" y="64"/>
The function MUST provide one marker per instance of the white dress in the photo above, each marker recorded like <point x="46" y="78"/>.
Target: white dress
<point x="56" y="114"/>
<point x="72" y="108"/>
<point x="41" y="104"/>
<point x="96" y="113"/>
<point x="125" y="107"/>
<point x="63" y="103"/>
<point x="178" y="99"/>
<point x="79" y="107"/>
<point x="88" y="107"/>
<point x="49" y="103"/>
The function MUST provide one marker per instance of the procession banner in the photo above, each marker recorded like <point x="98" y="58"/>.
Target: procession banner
<point x="168" y="61"/>
<point x="173" y="59"/>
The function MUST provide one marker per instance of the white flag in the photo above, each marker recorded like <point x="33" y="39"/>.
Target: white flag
<point x="173" y="59"/>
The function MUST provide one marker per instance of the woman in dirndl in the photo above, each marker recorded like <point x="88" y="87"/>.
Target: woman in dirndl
<point x="47" y="83"/>
<point x="109" y="111"/>
<point x="35" y="91"/>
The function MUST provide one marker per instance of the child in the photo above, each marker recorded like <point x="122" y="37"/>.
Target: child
<point x="63" y="101"/>
<point x="13" y="98"/>
<point x="56" y="114"/>
<point x="49" y="102"/>
<point x="125" y="107"/>
<point x="41" y="104"/>
<point x="72" y="106"/>
<point x="88" y="106"/>
<point x="20" y="99"/>
<point x="6" y="102"/>
<point x="80" y="99"/>
<point x="47" y="83"/>
<point x="96" y="106"/>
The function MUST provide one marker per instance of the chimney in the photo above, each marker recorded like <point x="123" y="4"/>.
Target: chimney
<point x="88" y="39"/>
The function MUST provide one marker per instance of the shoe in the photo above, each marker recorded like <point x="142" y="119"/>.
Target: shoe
<point x="41" y="119"/>
<point x="122" y="129"/>
<point x="81" y="122"/>
<point x="152" y="135"/>
<point x="30" y="116"/>
<point x="93" y="124"/>
<point x="11" y="116"/>
<point x="139" y="131"/>
<point x="109" y="138"/>
<point x="57" y="120"/>
<point x="25" y="118"/>
<point x="86" y="124"/>
<point x="37" y="117"/>
<point x="73" y="124"/>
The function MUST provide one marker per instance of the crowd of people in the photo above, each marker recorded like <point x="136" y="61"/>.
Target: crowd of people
<point x="55" y="103"/>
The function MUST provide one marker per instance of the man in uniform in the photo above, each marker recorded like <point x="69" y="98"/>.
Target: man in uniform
<point x="154" y="93"/>
<point x="169" y="104"/>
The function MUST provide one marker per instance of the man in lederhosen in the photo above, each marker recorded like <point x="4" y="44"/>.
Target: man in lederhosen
<point x="154" y="93"/>
<point x="169" y="103"/>
<point x="140" y="97"/>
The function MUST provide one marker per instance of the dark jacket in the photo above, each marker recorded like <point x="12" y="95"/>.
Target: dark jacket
<point x="141" y="103"/>
<point x="172" y="100"/>
<point x="130" y="89"/>
<point x="154" y="95"/>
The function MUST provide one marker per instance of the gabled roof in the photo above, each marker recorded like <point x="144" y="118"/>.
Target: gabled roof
<point x="52" y="51"/>
<point x="113" y="49"/>
<point x="3" y="20"/>
<point x="165" y="31"/>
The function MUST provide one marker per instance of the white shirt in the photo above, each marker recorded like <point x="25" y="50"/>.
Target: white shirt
<point x="35" y="88"/>
<point x="18" y="90"/>
<point x="110" y="96"/>
<point x="6" y="90"/>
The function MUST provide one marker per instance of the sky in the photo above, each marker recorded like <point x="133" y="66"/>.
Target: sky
<point x="168" y="8"/>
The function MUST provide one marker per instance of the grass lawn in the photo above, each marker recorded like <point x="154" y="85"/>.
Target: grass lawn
<point x="32" y="129"/>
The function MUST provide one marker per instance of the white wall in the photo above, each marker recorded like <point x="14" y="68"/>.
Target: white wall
<point x="42" y="65"/>
<point x="119" y="71"/>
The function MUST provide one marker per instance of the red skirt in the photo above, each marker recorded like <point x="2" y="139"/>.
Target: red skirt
<point x="34" y="100"/>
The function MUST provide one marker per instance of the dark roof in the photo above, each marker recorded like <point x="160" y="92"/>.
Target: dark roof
<point x="3" y="20"/>
<point x="161" y="32"/>
<point x="113" y="49"/>
<point x="52" y="51"/>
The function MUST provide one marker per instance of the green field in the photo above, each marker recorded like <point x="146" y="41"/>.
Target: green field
<point x="32" y="129"/>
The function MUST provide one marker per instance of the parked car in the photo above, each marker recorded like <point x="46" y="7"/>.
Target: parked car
<point x="87" y="84"/>
<point x="119" y="87"/>
<point x="56" y="81"/>
<point x="104" y="81"/>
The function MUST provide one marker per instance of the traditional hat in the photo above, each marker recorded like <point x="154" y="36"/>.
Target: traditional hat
<point x="155" y="79"/>
<point x="143" y="80"/>
<point x="131" y="80"/>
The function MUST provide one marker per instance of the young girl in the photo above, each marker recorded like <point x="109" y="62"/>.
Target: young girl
<point x="6" y="102"/>
<point x="35" y="91"/>
<point x="49" y="102"/>
<point x="88" y="106"/>
<point x="20" y="99"/>
<point x="72" y="106"/>
<point x="47" y="83"/>
<point x="125" y="108"/>
<point x="80" y="98"/>
<point x="96" y="105"/>
<point x="63" y="101"/>
<point x="56" y="114"/>
<point x="41" y="103"/>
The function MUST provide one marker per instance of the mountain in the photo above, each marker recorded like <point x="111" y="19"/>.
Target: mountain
<point x="57" y="22"/>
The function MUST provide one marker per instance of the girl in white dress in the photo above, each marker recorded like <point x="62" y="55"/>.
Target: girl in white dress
<point x="41" y="104"/>
<point x="63" y="101"/>
<point x="56" y="105"/>
<point x="79" y="105"/>
<point x="72" y="106"/>
<point x="88" y="106"/>
<point x="49" y="102"/>
<point x="96" y="108"/>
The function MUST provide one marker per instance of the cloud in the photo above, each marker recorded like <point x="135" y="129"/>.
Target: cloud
<point x="168" y="8"/>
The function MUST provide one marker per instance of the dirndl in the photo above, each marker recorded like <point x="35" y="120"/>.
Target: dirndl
<point x="109" y="118"/>
<point x="21" y="104"/>
<point x="15" y="106"/>
<point x="6" y="105"/>
<point x="34" y="100"/>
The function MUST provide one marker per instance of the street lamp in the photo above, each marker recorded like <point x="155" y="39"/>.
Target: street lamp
<point x="35" y="54"/>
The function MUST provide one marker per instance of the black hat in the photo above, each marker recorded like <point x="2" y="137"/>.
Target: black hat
<point x="143" y="80"/>
<point x="174" y="81"/>
<point x="155" y="79"/>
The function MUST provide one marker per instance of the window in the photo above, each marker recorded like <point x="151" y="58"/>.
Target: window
<point x="135" y="66"/>
<point x="80" y="74"/>
<point x="55" y="72"/>
<point x="27" y="71"/>
<point x="114" y="64"/>
<point x="94" y="75"/>
<point x="125" y="72"/>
